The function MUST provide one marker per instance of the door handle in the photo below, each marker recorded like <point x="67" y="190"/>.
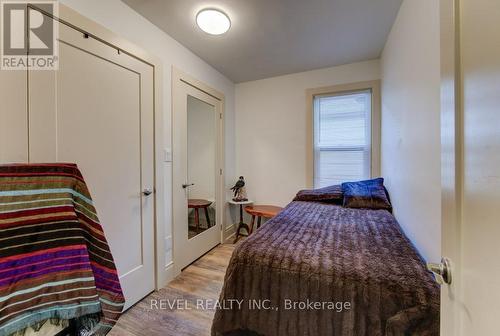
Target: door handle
<point x="187" y="185"/>
<point x="147" y="192"/>
<point x="442" y="271"/>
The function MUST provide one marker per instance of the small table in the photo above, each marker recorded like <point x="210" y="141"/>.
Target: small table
<point x="196" y="204"/>
<point x="241" y="224"/>
<point x="259" y="211"/>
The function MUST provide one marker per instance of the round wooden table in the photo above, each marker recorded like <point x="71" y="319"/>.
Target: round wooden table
<point x="196" y="204"/>
<point x="259" y="211"/>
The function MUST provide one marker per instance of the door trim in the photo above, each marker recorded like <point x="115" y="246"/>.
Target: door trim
<point x="75" y="20"/>
<point x="451" y="161"/>
<point x="179" y="77"/>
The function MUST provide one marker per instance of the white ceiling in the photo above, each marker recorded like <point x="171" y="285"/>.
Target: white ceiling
<point x="276" y="37"/>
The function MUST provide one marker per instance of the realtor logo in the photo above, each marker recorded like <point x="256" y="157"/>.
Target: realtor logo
<point x="28" y="35"/>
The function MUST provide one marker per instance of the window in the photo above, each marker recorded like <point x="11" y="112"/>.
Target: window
<point x="342" y="137"/>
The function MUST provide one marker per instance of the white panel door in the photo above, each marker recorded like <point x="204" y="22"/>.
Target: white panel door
<point x="97" y="111"/>
<point x="13" y="117"/>
<point x="471" y="180"/>
<point x="480" y="58"/>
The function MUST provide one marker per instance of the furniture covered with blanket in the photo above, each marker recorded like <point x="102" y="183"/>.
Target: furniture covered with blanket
<point x="55" y="262"/>
<point x="322" y="269"/>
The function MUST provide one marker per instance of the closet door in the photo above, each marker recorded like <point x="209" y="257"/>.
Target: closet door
<point x="13" y="117"/>
<point x="97" y="111"/>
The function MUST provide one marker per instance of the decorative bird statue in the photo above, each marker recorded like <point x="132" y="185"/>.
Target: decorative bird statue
<point x="239" y="190"/>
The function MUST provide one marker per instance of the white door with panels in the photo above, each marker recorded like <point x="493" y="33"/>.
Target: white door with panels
<point x="98" y="110"/>
<point x="470" y="303"/>
<point x="13" y="117"/>
<point x="197" y="173"/>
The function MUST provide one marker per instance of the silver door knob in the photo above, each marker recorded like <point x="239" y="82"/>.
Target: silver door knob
<point x="187" y="185"/>
<point x="442" y="271"/>
<point x="147" y="191"/>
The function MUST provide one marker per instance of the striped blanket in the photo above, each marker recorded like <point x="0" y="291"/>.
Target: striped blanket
<point x="55" y="263"/>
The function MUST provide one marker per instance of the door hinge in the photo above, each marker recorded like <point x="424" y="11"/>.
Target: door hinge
<point x="220" y="171"/>
<point x="220" y="115"/>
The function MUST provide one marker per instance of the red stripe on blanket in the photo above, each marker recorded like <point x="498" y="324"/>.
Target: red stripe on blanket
<point x="51" y="250"/>
<point x="60" y="218"/>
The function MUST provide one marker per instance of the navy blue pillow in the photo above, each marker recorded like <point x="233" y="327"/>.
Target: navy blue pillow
<point x="369" y="194"/>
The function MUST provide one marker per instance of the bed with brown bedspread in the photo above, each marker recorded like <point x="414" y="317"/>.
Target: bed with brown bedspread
<point x="322" y="255"/>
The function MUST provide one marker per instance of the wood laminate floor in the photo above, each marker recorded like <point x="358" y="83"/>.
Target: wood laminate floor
<point x="164" y="312"/>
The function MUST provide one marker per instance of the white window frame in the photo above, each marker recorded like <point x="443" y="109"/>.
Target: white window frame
<point x="374" y="153"/>
<point x="317" y="150"/>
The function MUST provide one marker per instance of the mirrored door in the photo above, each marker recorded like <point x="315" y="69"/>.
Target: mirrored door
<point x="197" y="172"/>
<point x="201" y="165"/>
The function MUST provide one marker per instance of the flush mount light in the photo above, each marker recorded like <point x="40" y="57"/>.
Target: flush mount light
<point x="213" y="21"/>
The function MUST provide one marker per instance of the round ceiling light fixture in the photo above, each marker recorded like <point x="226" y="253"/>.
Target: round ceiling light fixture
<point x="213" y="21"/>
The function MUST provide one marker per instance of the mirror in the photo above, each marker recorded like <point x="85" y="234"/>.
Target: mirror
<point x="201" y="157"/>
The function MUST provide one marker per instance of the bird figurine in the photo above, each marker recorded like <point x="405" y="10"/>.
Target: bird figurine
<point x="239" y="190"/>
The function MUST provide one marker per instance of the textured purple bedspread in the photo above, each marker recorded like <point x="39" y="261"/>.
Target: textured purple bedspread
<point x="316" y="252"/>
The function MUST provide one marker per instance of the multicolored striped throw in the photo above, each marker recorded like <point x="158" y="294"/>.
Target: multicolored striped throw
<point x="55" y="263"/>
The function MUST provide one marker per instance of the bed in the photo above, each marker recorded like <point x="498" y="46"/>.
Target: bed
<point x="322" y="269"/>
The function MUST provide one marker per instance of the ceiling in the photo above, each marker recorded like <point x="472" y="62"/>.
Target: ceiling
<point x="276" y="37"/>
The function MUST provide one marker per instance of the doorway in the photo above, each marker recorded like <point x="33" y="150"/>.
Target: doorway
<point x="197" y="169"/>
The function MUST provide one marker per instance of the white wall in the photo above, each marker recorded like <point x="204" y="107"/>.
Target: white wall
<point x="411" y="152"/>
<point x="125" y="22"/>
<point x="271" y="128"/>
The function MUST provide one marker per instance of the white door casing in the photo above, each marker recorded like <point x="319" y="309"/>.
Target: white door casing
<point x="97" y="110"/>
<point x="187" y="250"/>
<point x="450" y="165"/>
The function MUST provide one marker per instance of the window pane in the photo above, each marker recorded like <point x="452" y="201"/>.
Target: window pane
<point x="342" y="138"/>
<point x="343" y="119"/>
<point x="336" y="167"/>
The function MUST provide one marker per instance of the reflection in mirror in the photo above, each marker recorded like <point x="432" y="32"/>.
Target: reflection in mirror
<point x="201" y="140"/>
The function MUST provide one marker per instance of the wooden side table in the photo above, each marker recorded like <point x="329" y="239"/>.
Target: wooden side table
<point x="197" y="204"/>
<point x="241" y="224"/>
<point x="259" y="211"/>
